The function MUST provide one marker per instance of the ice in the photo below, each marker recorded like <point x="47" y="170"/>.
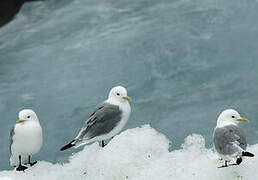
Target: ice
<point x="140" y="154"/>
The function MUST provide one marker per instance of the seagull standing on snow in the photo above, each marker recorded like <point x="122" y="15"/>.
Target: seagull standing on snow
<point x="229" y="139"/>
<point x="25" y="139"/>
<point x="106" y="121"/>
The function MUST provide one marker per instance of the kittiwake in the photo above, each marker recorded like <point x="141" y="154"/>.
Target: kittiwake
<point x="25" y="139"/>
<point x="106" y="121"/>
<point x="229" y="139"/>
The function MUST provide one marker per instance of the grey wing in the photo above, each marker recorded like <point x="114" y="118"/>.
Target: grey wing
<point x="11" y="139"/>
<point x="240" y="137"/>
<point x="229" y="140"/>
<point x="101" y="121"/>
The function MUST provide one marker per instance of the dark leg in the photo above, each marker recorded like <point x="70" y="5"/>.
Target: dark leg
<point x="31" y="164"/>
<point x="21" y="167"/>
<point x="226" y="163"/>
<point x="102" y="143"/>
<point x="239" y="160"/>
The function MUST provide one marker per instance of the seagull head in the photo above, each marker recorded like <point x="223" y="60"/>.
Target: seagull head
<point x="118" y="94"/>
<point x="229" y="117"/>
<point x="27" y="115"/>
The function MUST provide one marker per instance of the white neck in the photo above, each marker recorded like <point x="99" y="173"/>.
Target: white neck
<point x="225" y="123"/>
<point x="115" y="102"/>
<point x="124" y="105"/>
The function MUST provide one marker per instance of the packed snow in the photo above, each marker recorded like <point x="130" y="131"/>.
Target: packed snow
<point x="138" y="154"/>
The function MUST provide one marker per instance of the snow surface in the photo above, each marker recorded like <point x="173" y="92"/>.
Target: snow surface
<point x="138" y="154"/>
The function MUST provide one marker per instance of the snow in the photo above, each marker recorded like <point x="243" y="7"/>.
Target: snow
<point x="138" y="154"/>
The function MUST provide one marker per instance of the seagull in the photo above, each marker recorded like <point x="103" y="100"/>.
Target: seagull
<point x="106" y="121"/>
<point x="25" y="139"/>
<point x="229" y="139"/>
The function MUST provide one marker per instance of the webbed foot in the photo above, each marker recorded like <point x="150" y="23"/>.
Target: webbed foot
<point x="33" y="163"/>
<point x="21" y="168"/>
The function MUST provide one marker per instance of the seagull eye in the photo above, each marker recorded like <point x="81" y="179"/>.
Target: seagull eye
<point x="28" y="117"/>
<point x="233" y="116"/>
<point x="118" y="94"/>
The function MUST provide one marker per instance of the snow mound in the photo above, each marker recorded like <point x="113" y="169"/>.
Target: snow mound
<point x="139" y="154"/>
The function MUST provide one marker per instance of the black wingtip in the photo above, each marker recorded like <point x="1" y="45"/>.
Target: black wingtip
<point x="248" y="154"/>
<point x="67" y="146"/>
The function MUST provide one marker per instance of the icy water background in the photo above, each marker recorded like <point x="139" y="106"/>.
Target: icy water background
<point x="182" y="62"/>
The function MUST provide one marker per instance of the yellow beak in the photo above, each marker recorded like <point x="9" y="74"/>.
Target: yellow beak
<point x="127" y="98"/>
<point x="242" y="120"/>
<point x="19" y="121"/>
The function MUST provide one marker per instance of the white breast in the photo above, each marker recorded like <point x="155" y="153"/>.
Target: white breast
<point x="27" y="140"/>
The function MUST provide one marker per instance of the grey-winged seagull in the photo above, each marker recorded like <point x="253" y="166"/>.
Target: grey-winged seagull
<point x="229" y="139"/>
<point x="106" y="121"/>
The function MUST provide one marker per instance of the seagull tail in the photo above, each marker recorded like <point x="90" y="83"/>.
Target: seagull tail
<point x="69" y="145"/>
<point x="247" y="154"/>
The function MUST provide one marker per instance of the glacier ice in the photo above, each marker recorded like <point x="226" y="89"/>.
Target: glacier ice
<point x="140" y="154"/>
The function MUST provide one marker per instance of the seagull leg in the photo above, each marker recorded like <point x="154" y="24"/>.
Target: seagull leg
<point x="20" y="167"/>
<point x="225" y="165"/>
<point x="29" y="162"/>
<point x="102" y="143"/>
<point x="239" y="160"/>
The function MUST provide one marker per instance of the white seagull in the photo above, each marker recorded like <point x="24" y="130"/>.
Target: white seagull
<point x="229" y="139"/>
<point x="25" y="139"/>
<point x="106" y="121"/>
